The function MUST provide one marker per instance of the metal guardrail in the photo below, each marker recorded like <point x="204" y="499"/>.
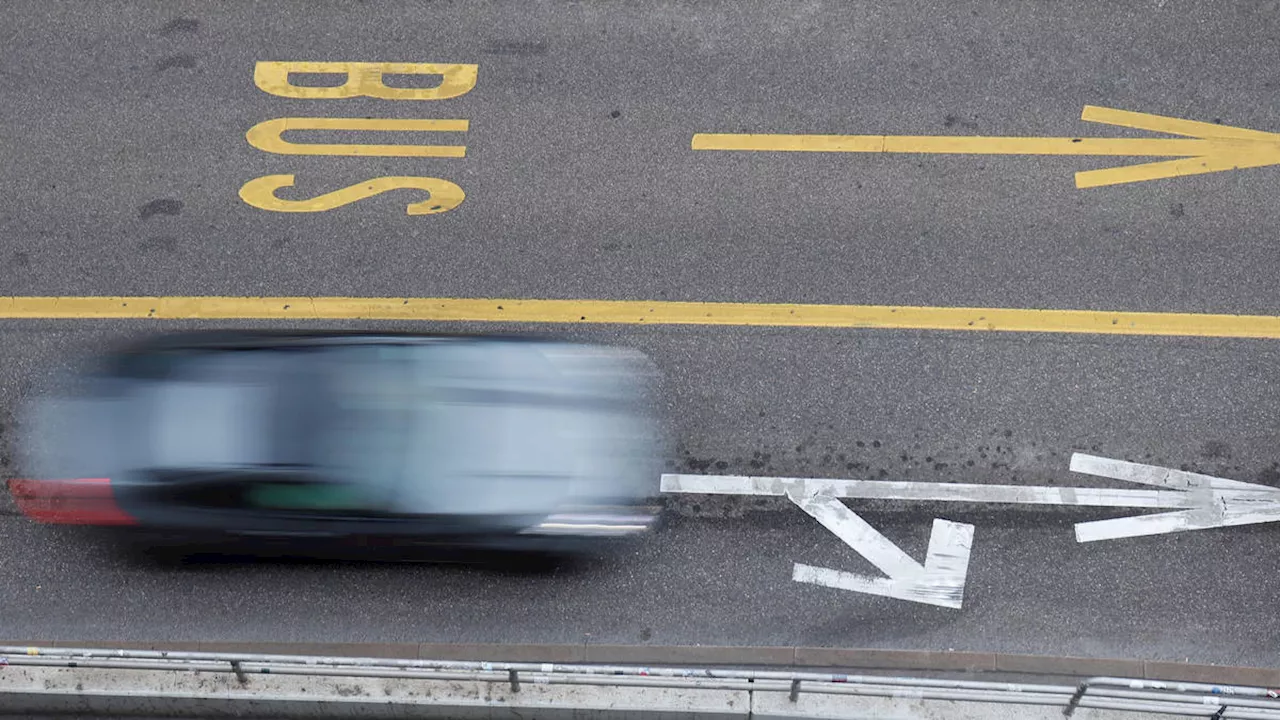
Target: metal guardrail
<point x="1217" y="702"/>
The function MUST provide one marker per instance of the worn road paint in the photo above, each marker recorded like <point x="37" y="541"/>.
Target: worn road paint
<point x="939" y="581"/>
<point x="443" y="195"/>
<point x="639" y="312"/>
<point x="1201" y="502"/>
<point x="365" y="79"/>
<point x="266" y="136"/>
<point x="1215" y="148"/>
<point x="927" y="491"/>
<point x="1216" y="502"/>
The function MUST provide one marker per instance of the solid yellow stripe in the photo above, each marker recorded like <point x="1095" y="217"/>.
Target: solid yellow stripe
<point x="644" y="313"/>
<point x="960" y="144"/>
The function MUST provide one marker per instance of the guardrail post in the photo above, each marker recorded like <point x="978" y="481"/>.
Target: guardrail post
<point x="514" y="677"/>
<point x="1222" y="711"/>
<point x="1074" y="702"/>
<point x="795" y="690"/>
<point x="240" y="676"/>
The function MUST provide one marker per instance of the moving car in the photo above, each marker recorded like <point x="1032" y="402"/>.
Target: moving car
<point x="364" y="439"/>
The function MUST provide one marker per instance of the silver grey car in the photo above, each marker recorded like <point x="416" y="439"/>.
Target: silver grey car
<point x="367" y="440"/>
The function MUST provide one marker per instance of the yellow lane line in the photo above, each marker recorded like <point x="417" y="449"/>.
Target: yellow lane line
<point x="636" y="312"/>
<point x="971" y="145"/>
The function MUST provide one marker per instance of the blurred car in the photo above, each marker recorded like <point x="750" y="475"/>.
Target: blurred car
<point x="366" y="439"/>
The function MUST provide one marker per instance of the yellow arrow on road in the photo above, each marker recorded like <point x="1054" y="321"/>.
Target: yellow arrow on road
<point x="1214" y="148"/>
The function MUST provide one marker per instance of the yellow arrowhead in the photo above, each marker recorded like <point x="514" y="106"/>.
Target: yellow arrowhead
<point x="1227" y="148"/>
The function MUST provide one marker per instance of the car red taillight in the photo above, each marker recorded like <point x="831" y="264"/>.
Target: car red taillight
<point x="83" y="501"/>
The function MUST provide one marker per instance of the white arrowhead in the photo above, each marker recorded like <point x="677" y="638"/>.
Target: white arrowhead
<point x="939" y="581"/>
<point x="1215" y="502"/>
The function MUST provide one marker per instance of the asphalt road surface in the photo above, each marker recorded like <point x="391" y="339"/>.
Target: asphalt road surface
<point x="124" y="128"/>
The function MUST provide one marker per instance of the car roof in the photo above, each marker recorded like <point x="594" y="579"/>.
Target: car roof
<point x="265" y="338"/>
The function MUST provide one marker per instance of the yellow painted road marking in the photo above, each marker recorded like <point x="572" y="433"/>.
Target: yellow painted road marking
<point x="1214" y="148"/>
<point x="266" y="136"/>
<point x="365" y="79"/>
<point x="443" y="195"/>
<point x="638" y="312"/>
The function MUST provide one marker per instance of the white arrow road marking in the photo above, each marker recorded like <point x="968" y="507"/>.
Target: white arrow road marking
<point x="1215" y="501"/>
<point x="940" y="581"/>
<point x="1200" y="502"/>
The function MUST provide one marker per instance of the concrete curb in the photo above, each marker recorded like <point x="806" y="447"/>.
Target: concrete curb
<point x="774" y="656"/>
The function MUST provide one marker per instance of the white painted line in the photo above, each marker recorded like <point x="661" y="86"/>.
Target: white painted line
<point x="939" y="581"/>
<point x="1153" y="474"/>
<point x="857" y="534"/>
<point x="1128" y="527"/>
<point x="841" y="580"/>
<point x="948" y="554"/>
<point x="922" y="491"/>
